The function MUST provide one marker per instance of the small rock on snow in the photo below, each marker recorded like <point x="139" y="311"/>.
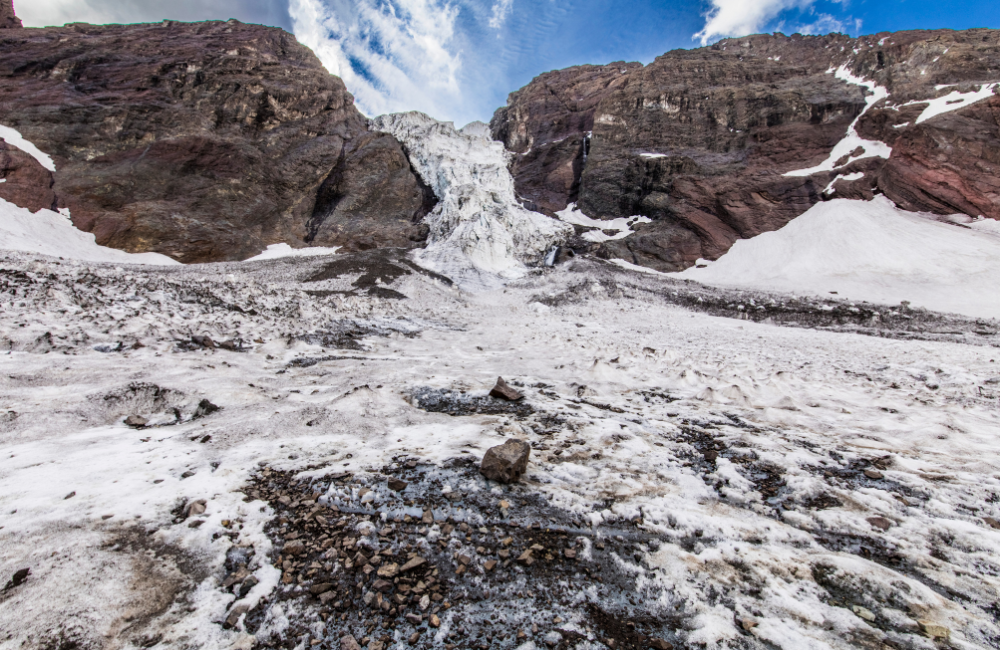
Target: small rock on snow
<point x="933" y="630"/>
<point x="136" y="421"/>
<point x="507" y="462"/>
<point x="880" y="522"/>
<point x="503" y="391"/>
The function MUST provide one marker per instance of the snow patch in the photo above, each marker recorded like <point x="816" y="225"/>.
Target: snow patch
<point x="479" y="235"/>
<point x="623" y="225"/>
<point x="13" y="137"/>
<point x="852" y="140"/>
<point x="275" y="251"/>
<point x="51" y="233"/>
<point x="856" y="176"/>
<point x="870" y="250"/>
<point x="953" y="101"/>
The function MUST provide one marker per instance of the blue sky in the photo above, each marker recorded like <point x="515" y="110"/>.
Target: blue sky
<point x="458" y="59"/>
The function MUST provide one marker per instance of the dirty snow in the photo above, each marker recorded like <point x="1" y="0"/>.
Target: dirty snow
<point x="14" y="137"/>
<point x="852" y="140"/>
<point x="869" y="250"/>
<point x="623" y="225"/>
<point x="52" y="233"/>
<point x="737" y="450"/>
<point x="479" y="233"/>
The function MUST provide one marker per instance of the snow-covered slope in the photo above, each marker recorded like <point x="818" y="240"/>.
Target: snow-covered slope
<point x="479" y="234"/>
<point x="870" y="251"/>
<point x="51" y="233"/>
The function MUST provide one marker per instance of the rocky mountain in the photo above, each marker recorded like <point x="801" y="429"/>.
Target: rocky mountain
<point x="8" y="19"/>
<point x="203" y="141"/>
<point x="732" y="140"/>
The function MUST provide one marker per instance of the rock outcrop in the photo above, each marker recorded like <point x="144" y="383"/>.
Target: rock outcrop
<point x="732" y="140"/>
<point x="8" y="19"/>
<point x="204" y="142"/>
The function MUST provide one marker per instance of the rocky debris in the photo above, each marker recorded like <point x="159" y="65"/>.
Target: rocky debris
<point x="874" y="474"/>
<point x="991" y="522"/>
<point x="503" y="391"/>
<point x="136" y="421"/>
<point x="228" y="138"/>
<point x="234" y="615"/>
<point x="699" y="140"/>
<point x="460" y="573"/>
<point x="396" y="485"/>
<point x="195" y="508"/>
<point x="506" y="463"/>
<point x="863" y="613"/>
<point x="349" y="643"/>
<point x="17" y="579"/>
<point x="460" y="403"/>
<point x="8" y="19"/>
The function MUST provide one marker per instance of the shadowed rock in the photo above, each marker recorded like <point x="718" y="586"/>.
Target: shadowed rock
<point x="506" y="463"/>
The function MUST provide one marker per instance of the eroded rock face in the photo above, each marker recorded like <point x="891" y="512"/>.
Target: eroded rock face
<point x="8" y="20"/>
<point x="701" y="140"/>
<point x="204" y="141"/>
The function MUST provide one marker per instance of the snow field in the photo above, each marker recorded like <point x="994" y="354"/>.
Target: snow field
<point x="870" y="250"/>
<point x="643" y="387"/>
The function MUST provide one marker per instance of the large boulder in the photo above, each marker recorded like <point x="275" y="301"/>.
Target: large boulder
<point x="203" y="141"/>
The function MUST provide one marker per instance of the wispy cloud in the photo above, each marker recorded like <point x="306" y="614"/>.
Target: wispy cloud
<point x="501" y="10"/>
<point x="393" y="55"/>
<point x="40" y="13"/>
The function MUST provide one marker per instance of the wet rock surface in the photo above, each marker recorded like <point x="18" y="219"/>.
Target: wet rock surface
<point x="699" y="140"/>
<point x="204" y="141"/>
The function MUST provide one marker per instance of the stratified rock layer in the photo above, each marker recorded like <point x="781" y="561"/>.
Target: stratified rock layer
<point x="204" y="141"/>
<point x="701" y="141"/>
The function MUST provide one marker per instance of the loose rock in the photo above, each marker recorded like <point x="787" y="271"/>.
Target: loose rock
<point x="934" y="630"/>
<point x="503" y="391"/>
<point x="136" y="421"/>
<point x="349" y="643"/>
<point x="506" y="463"/>
<point x="880" y="522"/>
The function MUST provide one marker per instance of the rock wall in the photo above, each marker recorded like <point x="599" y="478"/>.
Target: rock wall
<point x="8" y="19"/>
<point x="204" y="142"/>
<point x="732" y="140"/>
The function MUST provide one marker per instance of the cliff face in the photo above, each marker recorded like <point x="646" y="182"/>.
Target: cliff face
<point x="203" y="141"/>
<point x="8" y="19"/>
<point x="736" y="139"/>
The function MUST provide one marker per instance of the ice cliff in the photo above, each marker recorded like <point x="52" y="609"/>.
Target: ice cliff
<point x="479" y="233"/>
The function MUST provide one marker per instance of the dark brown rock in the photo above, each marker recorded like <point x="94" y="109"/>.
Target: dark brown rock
<point x="503" y="391"/>
<point x="8" y="19"/>
<point x="25" y="182"/>
<point x="506" y="463"/>
<point x="136" y="421"/>
<point x="396" y="485"/>
<point x="725" y="122"/>
<point x="880" y="522"/>
<point x="204" y="142"/>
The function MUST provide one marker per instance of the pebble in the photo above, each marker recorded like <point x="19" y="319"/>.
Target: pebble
<point x="863" y="612"/>
<point x="991" y="522"/>
<point x="874" y="474"/>
<point x="880" y="522"/>
<point x="390" y="570"/>
<point x="660" y="644"/>
<point x="434" y="621"/>
<point x="934" y="630"/>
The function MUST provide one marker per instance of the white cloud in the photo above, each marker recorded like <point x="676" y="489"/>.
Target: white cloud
<point x="393" y="56"/>
<point x="826" y="23"/>
<point x="40" y="13"/>
<point x="742" y="17"/>
<point x="501" y="10"/>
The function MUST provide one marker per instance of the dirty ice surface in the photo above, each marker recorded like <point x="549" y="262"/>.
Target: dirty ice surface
<point x="870" y="250"/>
<point x="781" y="488"/>
<point x="52" y="233"/>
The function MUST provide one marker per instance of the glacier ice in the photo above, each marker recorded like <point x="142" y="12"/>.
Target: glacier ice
<point x="480" y="235"/>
